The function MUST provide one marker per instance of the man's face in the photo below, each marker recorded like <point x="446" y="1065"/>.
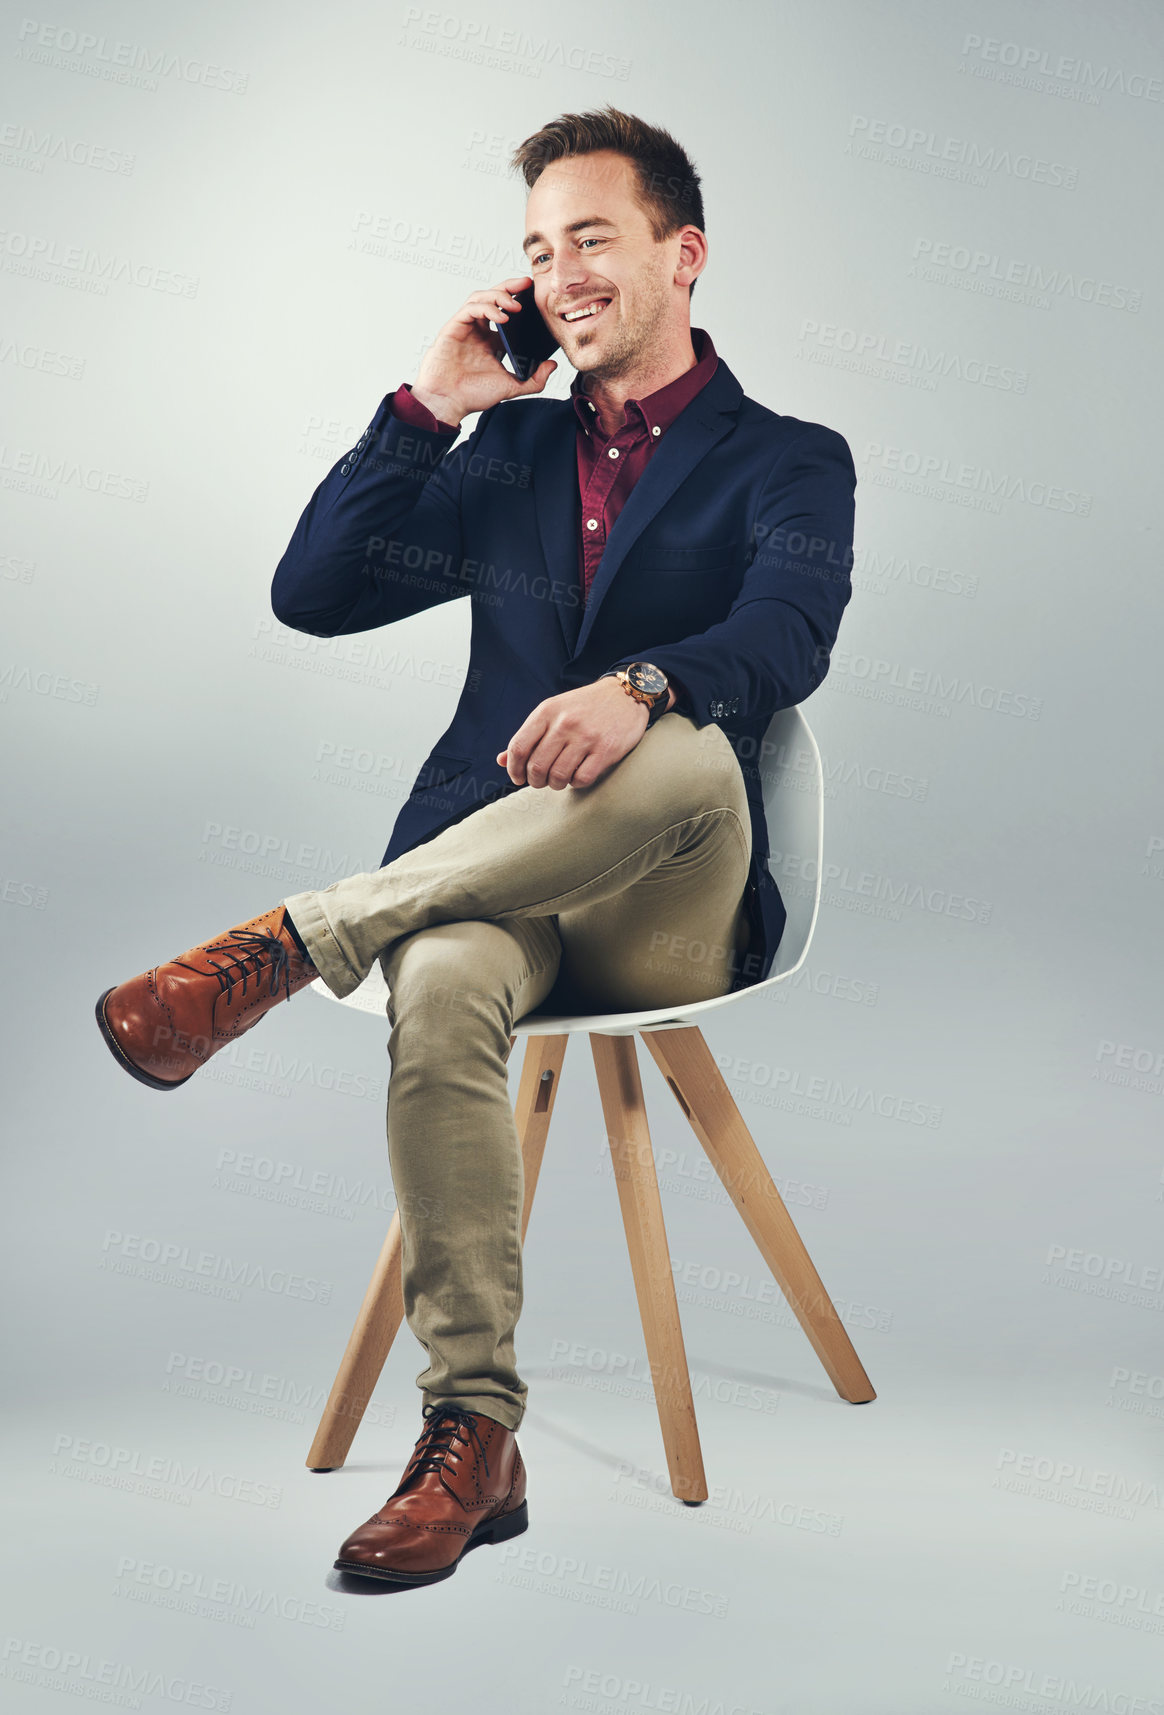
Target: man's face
<point x="590" y="242"/>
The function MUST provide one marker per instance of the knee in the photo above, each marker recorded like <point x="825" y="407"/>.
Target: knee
<point x="700" y="763"/>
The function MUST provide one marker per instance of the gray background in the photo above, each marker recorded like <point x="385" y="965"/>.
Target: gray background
<point x="987" y="957"/>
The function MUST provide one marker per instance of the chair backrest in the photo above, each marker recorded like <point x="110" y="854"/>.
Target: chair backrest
<point x="792" y="780"/>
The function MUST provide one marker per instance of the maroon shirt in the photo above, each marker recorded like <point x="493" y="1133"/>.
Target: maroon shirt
<point x="608" y="465"/>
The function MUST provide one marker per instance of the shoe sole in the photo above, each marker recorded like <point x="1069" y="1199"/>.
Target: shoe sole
<point x="492" y="1530"/>
<point x="123" y="1059"/>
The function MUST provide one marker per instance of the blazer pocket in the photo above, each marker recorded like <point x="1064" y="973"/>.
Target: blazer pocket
<point x="690" y="559"/>
<point x="440" y="766"/>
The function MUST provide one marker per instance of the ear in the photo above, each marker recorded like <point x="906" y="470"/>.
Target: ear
<point x="692" y="255"/>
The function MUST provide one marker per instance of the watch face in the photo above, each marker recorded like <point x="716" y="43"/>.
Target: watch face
<point x="647" y="677"/>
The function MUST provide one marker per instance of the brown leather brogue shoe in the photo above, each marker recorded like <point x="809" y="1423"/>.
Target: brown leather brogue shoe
<point x="464" y="1485"/>
<point x="164" y="1024"/>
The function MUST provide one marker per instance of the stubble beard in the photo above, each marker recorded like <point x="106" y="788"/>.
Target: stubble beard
<point x="630" y="343"/>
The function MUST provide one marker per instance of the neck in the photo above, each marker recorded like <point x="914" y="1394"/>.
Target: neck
<point x="661" y="364"/>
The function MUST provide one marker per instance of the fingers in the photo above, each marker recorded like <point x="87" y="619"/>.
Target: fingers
<point x="530" y="764"/>
<point x="499" y="307"/>
<point x="539" y="378"/>
<point x="520" y="758"/>
<point x="556" y="764"/>
<point x="574" y="739"/>
<point x="520" y="761"/>
<point x="553" y="764"/>
<point x="590" y="770"/>
<point x="491" y="303"/>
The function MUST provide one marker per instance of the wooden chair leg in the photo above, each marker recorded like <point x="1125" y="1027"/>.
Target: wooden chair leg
<point x="541" y="1073"/>
<point x="616" y="1064"/>
<point x="687" y="1063"/>
<point x="382" y="1311"/>
<point x="371" y="1341"/>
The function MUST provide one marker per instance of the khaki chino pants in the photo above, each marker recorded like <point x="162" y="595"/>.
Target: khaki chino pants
<point x="625" y="895"/>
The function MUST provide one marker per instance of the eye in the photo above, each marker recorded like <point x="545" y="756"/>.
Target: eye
<point x="590" y="241"/>
<point x="538" y="258"/>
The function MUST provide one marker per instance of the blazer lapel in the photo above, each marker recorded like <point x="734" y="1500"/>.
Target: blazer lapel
<point x="709" y="417"/>
<point x="555" y="486"/>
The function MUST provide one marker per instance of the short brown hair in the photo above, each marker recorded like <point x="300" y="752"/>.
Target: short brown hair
<point x="668" y="184"/>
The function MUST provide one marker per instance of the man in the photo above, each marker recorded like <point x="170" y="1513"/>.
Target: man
<point x="656" y="566"/>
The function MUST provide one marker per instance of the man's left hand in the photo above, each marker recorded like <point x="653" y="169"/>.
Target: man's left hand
<point x="576" y="738"/>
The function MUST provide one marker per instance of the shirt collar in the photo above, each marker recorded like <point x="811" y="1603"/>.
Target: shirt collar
<point x="659" y="409"/>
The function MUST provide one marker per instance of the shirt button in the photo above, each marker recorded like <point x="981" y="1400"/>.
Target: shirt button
<point x="612" y="453"/>
<point x="592" y="524"/>
<point x="656" y="430"/>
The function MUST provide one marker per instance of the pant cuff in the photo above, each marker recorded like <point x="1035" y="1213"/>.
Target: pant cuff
<point x="325" y="951"/>
<point x="485" y="1404"/>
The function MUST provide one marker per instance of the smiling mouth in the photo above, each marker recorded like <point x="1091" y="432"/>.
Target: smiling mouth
<point x="586" y="312"/>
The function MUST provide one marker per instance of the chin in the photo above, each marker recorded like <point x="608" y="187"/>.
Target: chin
<point x="598" y="349"/>
<point x="584" y="358"/>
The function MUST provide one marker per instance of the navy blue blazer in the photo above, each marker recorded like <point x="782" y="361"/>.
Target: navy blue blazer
<point x="728" y="566"/>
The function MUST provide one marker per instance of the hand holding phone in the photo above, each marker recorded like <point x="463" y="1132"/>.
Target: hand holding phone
<point x="526" y="337"/>
<point x="462" y="371"/>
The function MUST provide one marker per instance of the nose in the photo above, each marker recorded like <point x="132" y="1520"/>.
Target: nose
<point x="566" y="277"/>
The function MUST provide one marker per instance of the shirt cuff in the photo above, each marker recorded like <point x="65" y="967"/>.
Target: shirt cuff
<point x="409" y="409"/>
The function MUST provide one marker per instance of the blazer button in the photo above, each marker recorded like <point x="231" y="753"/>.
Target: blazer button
<point x="344" y="469"/>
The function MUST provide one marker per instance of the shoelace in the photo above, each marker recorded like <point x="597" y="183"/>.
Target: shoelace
<point x="252" y="944"/>
<point x="440" y="1434"/>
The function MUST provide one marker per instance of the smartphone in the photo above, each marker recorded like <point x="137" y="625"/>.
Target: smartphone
<point x="525" y="336"/>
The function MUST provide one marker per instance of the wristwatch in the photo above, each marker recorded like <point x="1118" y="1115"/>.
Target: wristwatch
<point x="646" y="683"/>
